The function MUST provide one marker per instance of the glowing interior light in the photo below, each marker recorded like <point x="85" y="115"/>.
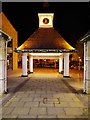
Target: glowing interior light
<point x="45" y="54"/>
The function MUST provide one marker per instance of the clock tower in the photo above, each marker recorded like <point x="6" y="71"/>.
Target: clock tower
<point x="45" y="20"/>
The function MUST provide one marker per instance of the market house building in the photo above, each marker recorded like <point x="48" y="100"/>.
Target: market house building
<point x="8" y="28"/>
<point x="45" y="43"/>
<point x="86" y="40"/>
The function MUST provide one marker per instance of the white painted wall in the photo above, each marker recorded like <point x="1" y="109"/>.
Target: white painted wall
<point x="86" y="81"/>
<point x="2" y="64"/>
<point x="88" y="50"/>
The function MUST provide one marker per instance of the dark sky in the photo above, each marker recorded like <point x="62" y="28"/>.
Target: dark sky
<point x="71" y="20"/>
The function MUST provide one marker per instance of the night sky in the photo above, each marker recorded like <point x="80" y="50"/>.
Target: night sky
<point x="71" y="20"/>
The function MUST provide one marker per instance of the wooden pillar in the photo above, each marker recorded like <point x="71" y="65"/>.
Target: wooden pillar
<point x="60" y="64"/>
<point x="31" y="64"/>
<point x="66" y="65"/>
<point x="24" y="65"/>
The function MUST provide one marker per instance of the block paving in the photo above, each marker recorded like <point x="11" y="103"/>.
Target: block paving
<point x="28" y="101"/>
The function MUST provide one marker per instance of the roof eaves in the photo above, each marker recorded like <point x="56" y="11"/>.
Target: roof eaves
<point x="85" y="38"/>
<point x="6" y="36"/>
<point x="45" y="51"/>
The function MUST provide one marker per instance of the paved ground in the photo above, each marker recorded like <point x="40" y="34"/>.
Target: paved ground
<point x="14" y="81"/>
<point x="47" y="95"/>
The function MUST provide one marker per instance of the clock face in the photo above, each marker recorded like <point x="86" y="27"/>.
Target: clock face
<point x="45" y="20"/>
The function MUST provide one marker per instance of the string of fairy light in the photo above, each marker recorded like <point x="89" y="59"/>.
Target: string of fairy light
<point x="44" y="50"/>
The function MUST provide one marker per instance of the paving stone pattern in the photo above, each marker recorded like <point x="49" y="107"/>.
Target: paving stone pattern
<point x="27" y="102"/>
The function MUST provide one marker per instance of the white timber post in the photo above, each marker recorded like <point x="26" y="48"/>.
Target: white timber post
<point x="66" y="65"/>
<point x="31" y="64"/>
<point x="60" y="64"/>
<point x="84" y="81"/>
<point x="6" y="68"/>
<point x="24" y="65"/>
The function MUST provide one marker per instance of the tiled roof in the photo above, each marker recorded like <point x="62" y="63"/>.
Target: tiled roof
<point x="45" y="38"/>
